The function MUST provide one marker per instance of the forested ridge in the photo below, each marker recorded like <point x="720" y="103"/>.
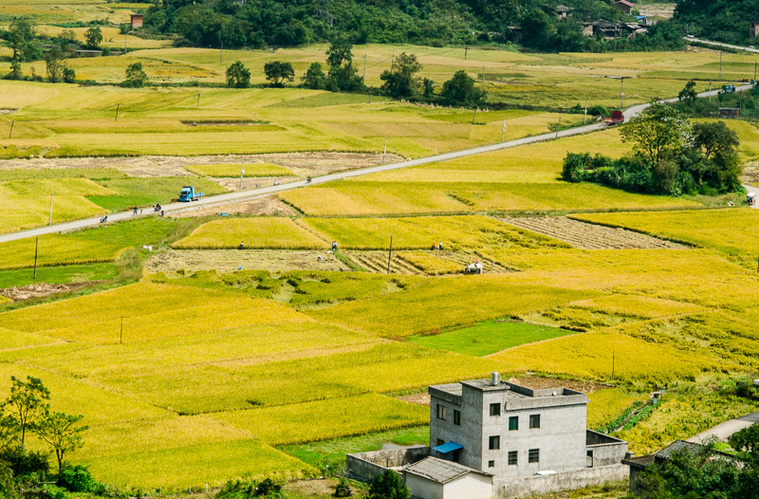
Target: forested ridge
<point x="719" y="20"/>
<point x="258" y="23"/>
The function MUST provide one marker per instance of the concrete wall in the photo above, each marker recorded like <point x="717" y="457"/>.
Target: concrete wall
<point x="367" y="466"/>
<point x="533" y="485"/>
<point x="606" y="450"/>
<point x="423" y="488"/>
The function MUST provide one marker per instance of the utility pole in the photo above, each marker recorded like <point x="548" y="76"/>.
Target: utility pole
<point x="198" y="104"/>
<point x="466" y="49"/>
<point x="221" y="49"/>
<point x="36" y="246"/>
<point x="503" y="131"/>
<point x="483" y="79"/>
<point x="117" y="113"/>
<point x="558" y="127"/>
<point x="612" y="364"/>
<point x="390" y="254"/>
<point x="364" y="68"/>
<point x="13" y="122"/>
<point x="51" y="209"/>
<point x="242" y="172"/>
<point x="720" y="65"/>
<point x="754" y="70"/>
<point x="125" y="48"/>
<point x="710" y="92"/>
<point x="474" y="116"/>
<point x="384" y="153"/>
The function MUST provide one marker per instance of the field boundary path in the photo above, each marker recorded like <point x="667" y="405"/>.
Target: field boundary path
<point x="232" y="197"/>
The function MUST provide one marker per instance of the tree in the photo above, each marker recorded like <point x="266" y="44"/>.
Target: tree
<point x="399" y="80"/>
<point x="26" y="404"/>
<point x="15" y="73"/>
<point x="238" y="76"/>
<point x="277" y="72"/>
<point x="461" y="90"/>
<point x="55" y="64"/>
<point x="135" y="76"/>
<point x="388" y="485"/>
<point x="428" y="88"/>
<point x="58" y="429"/>
<point x="688" y="94"/>
<point x="714" y="138"/>
<point x="314" y="77"/>
<point x="22" y="39"/>
<point x="746" y="442"/>
<point x="93" y="37"/>
<point x="342" y="75"/>
<point x="659" y="132"/>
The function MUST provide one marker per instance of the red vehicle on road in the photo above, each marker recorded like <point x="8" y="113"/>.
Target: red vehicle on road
<point x="616" y="118"/>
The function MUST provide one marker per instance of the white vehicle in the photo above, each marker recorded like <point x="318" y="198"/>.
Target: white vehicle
<point x="751" y="198"/>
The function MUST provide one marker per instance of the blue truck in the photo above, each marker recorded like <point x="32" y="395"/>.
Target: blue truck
<point x="188" y="194"/>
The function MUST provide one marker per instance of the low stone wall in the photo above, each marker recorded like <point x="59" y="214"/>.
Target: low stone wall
<point x="566" y="480"/>
<point x="367" y="466"/>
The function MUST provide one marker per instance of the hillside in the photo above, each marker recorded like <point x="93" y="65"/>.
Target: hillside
<point x="721" y="20"/>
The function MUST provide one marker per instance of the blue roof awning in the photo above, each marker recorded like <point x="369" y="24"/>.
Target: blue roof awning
<point x="447" y="447"/>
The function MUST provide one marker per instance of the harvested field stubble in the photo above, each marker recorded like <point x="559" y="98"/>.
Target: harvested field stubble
<point x="273" y="233"/>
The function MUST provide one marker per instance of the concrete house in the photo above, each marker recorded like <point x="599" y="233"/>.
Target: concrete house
<point x="625" y="6"/>
<point x="497" y="435"/>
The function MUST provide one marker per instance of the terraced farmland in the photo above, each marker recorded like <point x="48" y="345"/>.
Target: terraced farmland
<point x="590" y="236"/>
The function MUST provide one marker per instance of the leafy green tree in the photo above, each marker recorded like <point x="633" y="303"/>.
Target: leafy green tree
<point x="238" y="76"/>
<point x="714" y="138"/>
<point x="278" y="72"/>
<point x="315" y="77"/>
<point x="93" y="37"/>
<point x="389" y="485"/>
<point x="399" y="80"/>
<point x="15" y="73"/>
<point x="342" y="75"/>
<point x="461" y="90"/>
<point x="428" y="86"/>
<point x="61" y="432"/>
<point x="55" y="63"/>
<point x="26" y="405"/>
<point x="135" y="76"/>
<point x="658" y="132"/>
<point x="746" y="441"/>
<point x="688" y="94"/>
<point x="23" y="40"/>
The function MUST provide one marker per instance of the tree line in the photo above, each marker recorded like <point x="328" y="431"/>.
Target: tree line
<point x="399" y="82"/>
<point x="670" y="156"/>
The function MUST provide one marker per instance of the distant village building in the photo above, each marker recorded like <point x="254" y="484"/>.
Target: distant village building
<point x="625" y="6"/>
<point x="562" y="11"/>
<point x="136" y="21"/>
<point x="753" y="29"/>
<point x="729" y="112"/>
<point x="525" y="441"/>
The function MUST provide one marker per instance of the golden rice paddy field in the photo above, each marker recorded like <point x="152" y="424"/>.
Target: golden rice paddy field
<point x="191" y="378"/>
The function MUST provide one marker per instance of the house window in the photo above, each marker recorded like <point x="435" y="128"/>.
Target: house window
<point x="513" y="423"/>
<point x="512" y="458"/>
<point x="533" y="456"/>
<point x="535" y="421"/>
<point x="442" y="411"/>
<point x="491" y="464"/>
<point x="495" y="409"/>
<point x="494" y="443"/>
<point x="456" y="417"/>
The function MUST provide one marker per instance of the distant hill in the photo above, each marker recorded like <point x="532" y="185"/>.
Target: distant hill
<point x="258" y="23"/>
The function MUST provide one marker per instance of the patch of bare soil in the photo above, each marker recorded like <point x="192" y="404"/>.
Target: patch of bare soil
<point x="268" y="205"/>
<point x="537" y="383"/>
<point x="659" y="10"/>
<point x="303" y="163"/>
<point x="313" y="488"/>
<point x="226" y="261"/>
<point x="585" y="235"/>
<point x="38" y="290"/>
<point x="416" y="398"/>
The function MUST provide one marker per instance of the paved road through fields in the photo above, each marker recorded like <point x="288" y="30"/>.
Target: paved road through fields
<point x="232" y="197"/>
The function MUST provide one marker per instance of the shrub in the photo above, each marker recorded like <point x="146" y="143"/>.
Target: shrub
<point x="343" y="489"/>
<point x="389" y="485"/>
<point x="76" y="479"/>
